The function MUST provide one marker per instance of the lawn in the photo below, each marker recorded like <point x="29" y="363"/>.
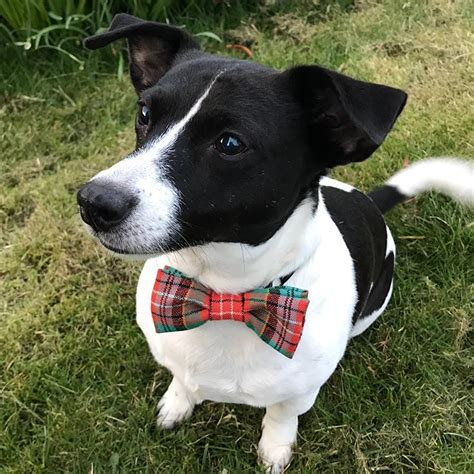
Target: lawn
<point x="78" y="385"/>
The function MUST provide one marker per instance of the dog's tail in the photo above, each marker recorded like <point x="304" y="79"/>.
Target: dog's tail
<point x="450" y="176"/>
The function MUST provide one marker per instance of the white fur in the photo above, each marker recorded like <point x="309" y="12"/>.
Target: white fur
<point x="175" y="405"/>
<point x="450" y="176"/>
<point x="333" y="183"/>
<point x="224" y="361"/>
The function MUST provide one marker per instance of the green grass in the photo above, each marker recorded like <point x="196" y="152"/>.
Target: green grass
<point x="78" y="385"/>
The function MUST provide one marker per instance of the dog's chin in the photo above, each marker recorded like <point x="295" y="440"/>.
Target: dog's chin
<point x="128" y="253"/>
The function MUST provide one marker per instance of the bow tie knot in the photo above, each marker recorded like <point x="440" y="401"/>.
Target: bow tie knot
<point x="275" y="314"/>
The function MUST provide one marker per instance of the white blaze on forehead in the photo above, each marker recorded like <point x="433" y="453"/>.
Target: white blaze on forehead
<point x="166" y="141"/>
<point x="156" y="148"/>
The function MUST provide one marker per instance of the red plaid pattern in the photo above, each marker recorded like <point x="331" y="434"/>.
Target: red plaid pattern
<point x="276" y="314"/>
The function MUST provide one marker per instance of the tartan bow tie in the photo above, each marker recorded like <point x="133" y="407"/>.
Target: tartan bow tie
<point x="276" y="314"/>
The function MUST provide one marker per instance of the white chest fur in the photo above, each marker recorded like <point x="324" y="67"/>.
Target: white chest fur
<point x="224" y="360"/>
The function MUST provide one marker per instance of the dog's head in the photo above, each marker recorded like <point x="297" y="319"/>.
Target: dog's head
<point x="226" y="149"/>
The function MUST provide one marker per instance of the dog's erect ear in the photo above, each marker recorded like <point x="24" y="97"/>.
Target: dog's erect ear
<point x="348" y="119"/>
<point x="152" y="46"/>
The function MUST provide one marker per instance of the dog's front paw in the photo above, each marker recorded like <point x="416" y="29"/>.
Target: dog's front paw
<point x="175" y="406"/>
<point x="275" y="458"/>
<point x="278" y="438"/>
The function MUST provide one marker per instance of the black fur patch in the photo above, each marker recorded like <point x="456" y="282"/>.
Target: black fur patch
<point x="387" y="197"/>
<point x="381" y="287"/>
<point x="364" y="232"/>
<point x="244" y="198"/>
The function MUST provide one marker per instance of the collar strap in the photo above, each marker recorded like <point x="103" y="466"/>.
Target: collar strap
<point x="280" y="281"/>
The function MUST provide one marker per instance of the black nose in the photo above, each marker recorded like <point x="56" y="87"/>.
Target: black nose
<point x="104" y="206"/>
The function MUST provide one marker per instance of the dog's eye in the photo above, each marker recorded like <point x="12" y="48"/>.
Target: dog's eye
<point x="230" y="144"/>
<point x="144" y="115"/>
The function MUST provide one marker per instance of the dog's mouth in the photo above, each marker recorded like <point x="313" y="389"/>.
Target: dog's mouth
<point x="108" y="242"/>
<point x="114" y="249"/>
<point x="117" y="243"/>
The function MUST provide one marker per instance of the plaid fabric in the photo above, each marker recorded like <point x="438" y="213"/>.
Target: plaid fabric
<point x="276" y="314"/>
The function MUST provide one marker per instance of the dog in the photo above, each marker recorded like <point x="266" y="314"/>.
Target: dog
<point x="228" y="186"/>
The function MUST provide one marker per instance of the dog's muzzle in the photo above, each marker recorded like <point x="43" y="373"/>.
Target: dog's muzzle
<point x="103" y="205"/>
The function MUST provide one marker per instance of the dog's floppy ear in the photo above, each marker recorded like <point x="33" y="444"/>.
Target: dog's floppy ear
<point x="152" y="46"/>
<point x="348" y="119"/>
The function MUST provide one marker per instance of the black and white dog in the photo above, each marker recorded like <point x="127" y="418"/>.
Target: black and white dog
<point x="227" y="184"/>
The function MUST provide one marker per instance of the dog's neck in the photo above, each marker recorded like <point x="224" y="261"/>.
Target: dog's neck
<point x="235" y="267"/>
